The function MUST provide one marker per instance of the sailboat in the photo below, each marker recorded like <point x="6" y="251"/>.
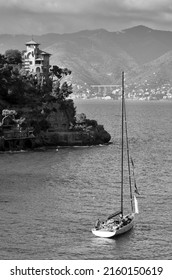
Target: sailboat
<point x="118" y="222"/>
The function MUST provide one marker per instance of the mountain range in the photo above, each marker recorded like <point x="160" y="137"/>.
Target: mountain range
<point x="99" y="56"/>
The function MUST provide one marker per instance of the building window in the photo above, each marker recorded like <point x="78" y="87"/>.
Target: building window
<point x="30" y="62"/>
<point x="37" y="70"/>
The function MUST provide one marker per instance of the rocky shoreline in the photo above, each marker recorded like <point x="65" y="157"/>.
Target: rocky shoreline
<point x="52" y="128"/>
<point x="96" y="136"/>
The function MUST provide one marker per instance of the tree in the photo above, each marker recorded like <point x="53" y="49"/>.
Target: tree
<point x="65" y="91"/>
<point x="2" y="60"/>
<point x="13" y="56"/>
<point x="61" y="90"/>
<point x="5" y="79"/>
<point x="14" y="88"/>
<point x="60" y="72"/>
<point x="19" y="87"/>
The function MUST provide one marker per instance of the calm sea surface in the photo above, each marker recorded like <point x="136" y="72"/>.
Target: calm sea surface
<point x="49" y="201"/>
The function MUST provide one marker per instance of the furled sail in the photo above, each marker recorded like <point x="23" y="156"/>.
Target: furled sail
<point x="136" y="205"/>
<point x="135" y="186"/>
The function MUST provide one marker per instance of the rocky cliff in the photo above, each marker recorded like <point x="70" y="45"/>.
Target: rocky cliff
<point x="40" y="104"/>
<point x="52" y="124"/>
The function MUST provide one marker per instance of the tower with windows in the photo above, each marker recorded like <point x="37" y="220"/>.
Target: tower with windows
<point x="35" y="60"/>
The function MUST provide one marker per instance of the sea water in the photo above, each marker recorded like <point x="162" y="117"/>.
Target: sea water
<point x="50" y="200"/>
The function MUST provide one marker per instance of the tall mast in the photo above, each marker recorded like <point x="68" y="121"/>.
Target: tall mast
<point x="122" y="144"/>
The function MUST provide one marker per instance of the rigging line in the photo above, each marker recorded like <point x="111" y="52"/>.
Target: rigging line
<point x="122" y="144"/>
<point x="128" y="156"/>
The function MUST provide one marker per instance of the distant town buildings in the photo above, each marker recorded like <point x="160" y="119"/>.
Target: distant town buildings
<point x="134" y="91"/>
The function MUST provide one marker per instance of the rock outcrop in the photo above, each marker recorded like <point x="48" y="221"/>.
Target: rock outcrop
<point x="89" y="137"/>
<point x="53" y="124"/>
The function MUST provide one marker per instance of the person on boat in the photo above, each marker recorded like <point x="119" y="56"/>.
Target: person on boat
<point x="110" y="221"/>
<point x="122" y="220"/>
<point x="98" y="223"/>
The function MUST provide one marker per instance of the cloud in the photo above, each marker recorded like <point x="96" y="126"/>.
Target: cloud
<point x="146" y="5"/>
<point x="60" y="16"/>
<point x="79" y="6"/>
<point x="50" y="6"/>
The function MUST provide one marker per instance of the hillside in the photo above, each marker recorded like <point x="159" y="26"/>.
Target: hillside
<point x="99" y="56"/>
<point x="91" y="59"/>
<point x="156" y="72"/>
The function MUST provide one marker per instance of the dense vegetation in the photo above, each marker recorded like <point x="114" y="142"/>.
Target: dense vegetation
<point x="28" y="92"/>
<point x="41" y="103"/>
<point x="19" y="87"/>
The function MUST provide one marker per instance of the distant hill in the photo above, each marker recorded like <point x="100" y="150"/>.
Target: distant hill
<point x="155" y="73"/>
<point x="99" y="56"/>
<point x="94" y="57"/>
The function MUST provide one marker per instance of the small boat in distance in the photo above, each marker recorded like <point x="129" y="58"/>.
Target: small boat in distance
<point x="118" y="222"/>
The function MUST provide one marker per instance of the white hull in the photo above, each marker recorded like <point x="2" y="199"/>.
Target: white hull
<point x="103" y="232"/>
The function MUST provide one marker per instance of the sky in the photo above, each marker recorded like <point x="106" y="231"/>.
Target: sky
<point x="37" y="17"/>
